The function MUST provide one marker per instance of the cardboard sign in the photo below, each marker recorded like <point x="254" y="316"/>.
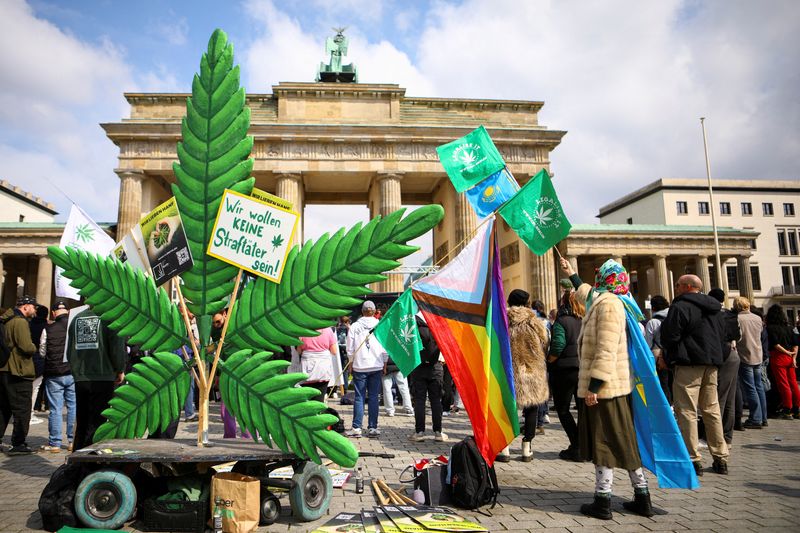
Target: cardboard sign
<point x="129" y="251"/>
<point x="253" y="235"/>
<point x="161" y="233"/>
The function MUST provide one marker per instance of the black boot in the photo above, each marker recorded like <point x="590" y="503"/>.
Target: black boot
<point x="641" y="504"/>
<point x="599" y="508"/>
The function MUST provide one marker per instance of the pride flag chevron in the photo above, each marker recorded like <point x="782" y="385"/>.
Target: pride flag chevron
<point x="464" y="307"/>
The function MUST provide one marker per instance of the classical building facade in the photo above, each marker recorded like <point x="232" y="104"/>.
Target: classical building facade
<point x="768" y="270"/>
<point x="337" y="143"/>
<point x="27" y="228"/>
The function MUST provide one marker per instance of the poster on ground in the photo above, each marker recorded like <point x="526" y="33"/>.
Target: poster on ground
<point x="164" y="240"/>
<point x="253" y="235"/>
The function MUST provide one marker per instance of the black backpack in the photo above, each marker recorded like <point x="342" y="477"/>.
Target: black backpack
<point x="5" y="351"/>
<point x="56" y="504"/>
<point x="472" y="482"/>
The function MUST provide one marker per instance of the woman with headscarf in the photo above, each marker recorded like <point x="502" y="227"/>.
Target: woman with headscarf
<point x="605" y="419"/>
<point x="528" y="338"/>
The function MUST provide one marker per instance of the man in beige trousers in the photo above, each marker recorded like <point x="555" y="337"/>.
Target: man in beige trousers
<point x="691" y="339"/>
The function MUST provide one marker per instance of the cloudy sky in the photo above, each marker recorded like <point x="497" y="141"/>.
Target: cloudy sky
<point x="628" y="80"/>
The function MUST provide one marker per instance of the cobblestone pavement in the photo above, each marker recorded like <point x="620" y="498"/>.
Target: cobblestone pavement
<point x="762" y="492"/>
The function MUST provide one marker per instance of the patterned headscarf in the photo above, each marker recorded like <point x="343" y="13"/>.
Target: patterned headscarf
<point x="612" y="277"/>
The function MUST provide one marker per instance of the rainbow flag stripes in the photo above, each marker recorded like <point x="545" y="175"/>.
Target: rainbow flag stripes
<point x="464" y="307"/>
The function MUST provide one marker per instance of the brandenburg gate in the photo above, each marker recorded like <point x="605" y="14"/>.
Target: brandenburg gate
<point x="352" y="143"/>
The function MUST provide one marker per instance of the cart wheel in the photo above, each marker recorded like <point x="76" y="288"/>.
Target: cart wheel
<point x="270" y="509"/>
<point x="312" y="491"/>
<point x="105" y="499"/>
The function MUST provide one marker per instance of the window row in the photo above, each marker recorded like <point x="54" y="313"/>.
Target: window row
<point x="787" y="241"/>
<point x="732" y="272"/>
<point x="725" y="208"/>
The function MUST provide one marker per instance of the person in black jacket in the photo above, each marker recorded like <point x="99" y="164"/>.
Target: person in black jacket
<point x="563" y="366"/>
<point x="692" y="343"/>
<point x="426" y="380"/>
<point x="730" y="398"/>
<point x="59" y="384"/>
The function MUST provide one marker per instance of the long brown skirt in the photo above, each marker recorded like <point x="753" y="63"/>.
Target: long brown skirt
<point x="606" y="434"/>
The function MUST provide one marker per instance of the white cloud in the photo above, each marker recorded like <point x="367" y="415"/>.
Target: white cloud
<point x="54" y="90"/>
<point x="174" y="30"/>
<point x="629" y="80"/>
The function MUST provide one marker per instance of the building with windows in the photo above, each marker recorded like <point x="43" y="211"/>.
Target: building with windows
<point x="765" y="208"/>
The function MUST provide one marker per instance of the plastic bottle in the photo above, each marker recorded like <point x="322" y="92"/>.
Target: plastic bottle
<point x="359" y="481"/>
<point x="217" y="519"/>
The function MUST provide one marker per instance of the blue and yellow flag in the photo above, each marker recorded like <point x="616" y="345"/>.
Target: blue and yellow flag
<point x="488" y="195"/>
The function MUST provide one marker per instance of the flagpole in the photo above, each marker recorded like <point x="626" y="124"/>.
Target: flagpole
<point x="711" y="199"/>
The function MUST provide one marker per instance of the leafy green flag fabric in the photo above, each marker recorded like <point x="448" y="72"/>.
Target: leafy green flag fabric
<point x="536" y="214"/>
<point x="397" y="332"/>
<point x="470" y="159"/>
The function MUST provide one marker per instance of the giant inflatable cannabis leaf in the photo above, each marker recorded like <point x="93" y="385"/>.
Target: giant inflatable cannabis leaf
<point x="214" y="156"/>
<point x="265" y="401"/>
<point x="321" y="280"/>
<point x="151" y="399"/>
<point x="123" y="297"/>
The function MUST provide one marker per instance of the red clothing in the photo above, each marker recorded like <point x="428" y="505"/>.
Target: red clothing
<point x="785" y="379"/>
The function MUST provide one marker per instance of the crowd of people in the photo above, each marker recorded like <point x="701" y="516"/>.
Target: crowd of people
<point x="711" y="362"/>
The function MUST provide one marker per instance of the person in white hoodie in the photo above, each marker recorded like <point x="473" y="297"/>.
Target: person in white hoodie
<point x="368" y="359"/>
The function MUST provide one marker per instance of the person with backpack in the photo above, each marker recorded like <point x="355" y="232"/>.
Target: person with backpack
<point x="605" y="415"/>
<point x="17" y="373"/>
<point x="730" y="398"/>
<point x="426" y="381"/>
<point x="692" y="340"/>
<point x="58" y="381"/>
<point x="652" y="334"/>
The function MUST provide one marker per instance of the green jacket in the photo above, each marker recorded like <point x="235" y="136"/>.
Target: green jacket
<point x="94" y="352"/>
<point x="18" y="339"/>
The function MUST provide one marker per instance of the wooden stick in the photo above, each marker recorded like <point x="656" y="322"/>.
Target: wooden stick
<point x="381" y="498"/>
<point x="225" y="326"/>
<point x="393" y="496"/>
<point x="406" y="499"/>
<point x="555" y="247"/>
<point x="184" y="312"/>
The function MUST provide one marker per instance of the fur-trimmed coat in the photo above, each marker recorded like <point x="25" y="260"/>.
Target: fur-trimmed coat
<point x="529" y="342"/>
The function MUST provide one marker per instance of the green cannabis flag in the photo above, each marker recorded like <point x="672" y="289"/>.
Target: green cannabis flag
<point x="470" y="159"/>
<point x="397" y="332"/>
<point x="536" y="214"/>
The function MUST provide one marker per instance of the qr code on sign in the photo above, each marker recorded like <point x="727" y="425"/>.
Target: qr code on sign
<point x="183" y="255"/>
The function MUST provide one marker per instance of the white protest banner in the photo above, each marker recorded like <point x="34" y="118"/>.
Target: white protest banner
<point x="83" y="233"/>
<point x="252" y="235"/>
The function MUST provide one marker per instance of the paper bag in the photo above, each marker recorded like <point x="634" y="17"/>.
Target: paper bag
<point x="239" y="499"/>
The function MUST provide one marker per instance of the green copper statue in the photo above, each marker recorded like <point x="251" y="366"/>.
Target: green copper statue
<point x="336" y="72"/>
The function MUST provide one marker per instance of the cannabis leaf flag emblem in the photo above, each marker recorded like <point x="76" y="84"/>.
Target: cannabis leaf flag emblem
<point x="397" y="332"/>
<point x="470" y="159"/>
<point x="536" y="214"/>
<point x="84" y="233"/>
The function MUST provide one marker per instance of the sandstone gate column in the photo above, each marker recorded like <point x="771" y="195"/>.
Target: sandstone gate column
<point x="44" y="281"/>
<point x="290" y="187"/>
<point x="543" y="284"/>
<point x="701" y="267"/>
<point x="466" y="221"/>
<point x="662" y="276"/>
<point x="745" y="277"/>
<point x="389" y="200"/>
<point x="130" y="199"/>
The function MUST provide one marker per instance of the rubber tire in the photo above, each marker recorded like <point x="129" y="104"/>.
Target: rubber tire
<point x="311" y="495"/>
<point x="111" y="484"/>
<point x="270" y="510"/>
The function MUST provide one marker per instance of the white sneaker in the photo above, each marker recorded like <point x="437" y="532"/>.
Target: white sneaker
<point x="546" y="419"/>
<point x="440" y="436"/>
<point x="409" y="412"/>
<point x="36" y="420"/>
<point x="353" y="432"/>
<point x="390" y="413"/>
<point x="417" y="437"/>
<point x="373" y="433"/>
<point x="445" y="413"/>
